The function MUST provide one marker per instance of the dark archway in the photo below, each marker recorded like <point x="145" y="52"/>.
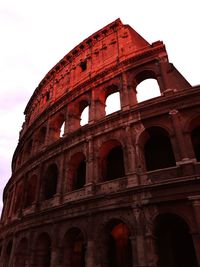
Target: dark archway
<point x="195" y="136"/>
<point x="8" y="254"/>
<point x="42" y="136"/>
<point x="118" y="245"/>
<point x="111" y="161"/>
<point x="50" y="181"/>
<point x="30" y="191"/>
<point x="77" y="176"/>
<point x="158" y="149"/>
<point x="43" y="251"/>
<point x="21" y="257"/>
<point x="115" y="163"/>
<point x="174" y="242"/>
<point x="74" y="249"/>
<point x="79" y="181"/>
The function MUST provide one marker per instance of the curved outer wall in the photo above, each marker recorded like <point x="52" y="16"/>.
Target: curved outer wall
<point x="63" y="190"/>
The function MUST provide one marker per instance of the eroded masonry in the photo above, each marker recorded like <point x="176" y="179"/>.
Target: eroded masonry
<point x="121" y="189"/>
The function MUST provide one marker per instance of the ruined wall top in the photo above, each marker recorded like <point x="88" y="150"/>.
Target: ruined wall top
<point x="108" y="47"/>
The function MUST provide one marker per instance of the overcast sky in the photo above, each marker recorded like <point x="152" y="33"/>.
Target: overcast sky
<point x="35" y="35"/>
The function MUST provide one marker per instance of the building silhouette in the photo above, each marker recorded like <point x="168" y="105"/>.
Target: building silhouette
<point x="119" y="190"/>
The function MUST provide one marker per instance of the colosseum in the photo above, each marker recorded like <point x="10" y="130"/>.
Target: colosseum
<point x="111" y="189"/>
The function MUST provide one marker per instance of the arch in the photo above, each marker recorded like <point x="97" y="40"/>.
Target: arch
<point x="21" y="256"/>
<point x="77" y="171"/>
<point x="112" y="103"/>
<point x="62" y="129"/>
<point x="84" y="117"/>
<point x="28" y="150"/>
<point x="19" y="196"/>
<point x="42" y="136"/>
<point x="195" y="136"/>
<point x="157" y="147"/>
<point x="30" y="190"/>
<point x="74" y="248"/>
<point x="50" y="181"/>
<point x="8" y="253"/>
<point x="111" y="160"/>
<point x="55" y="127"/>
<point x="43" y="251"/>
<point x="173" y="241"/>
<point x="147" y="85"/>
<point x="115" y="245"/>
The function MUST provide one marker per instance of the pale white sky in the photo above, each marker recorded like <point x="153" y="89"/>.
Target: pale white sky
<point x="35" y="35"/>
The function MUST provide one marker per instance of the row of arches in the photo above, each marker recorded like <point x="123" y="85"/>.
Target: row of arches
<point x="110" y="161"/>
<point x="80" y="113"/>
<point x="114" y="246"/>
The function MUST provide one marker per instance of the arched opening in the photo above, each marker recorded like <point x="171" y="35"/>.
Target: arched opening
<point x="50" y="181"/>
<point x="42" y="136"/>
<point x="57" y="127"/>
<point x="118" y="245"/>
<point x="28" y="150"/>
<point x="84" y="116"/>
<point x="113" y="103"/>
<point x="74" y="249"/>
<point x="195" y="136"/>
<point x="147" y="89"/>
<point x="174" y="242"/>
<point x="21" y="257"/>
<point x="8" y="254"/>
<point x="19" y="197"/>
<point x="77" y="179"/>
<point x="43" y="251"/>
<point x="80" y="175"/>
<point x="112" y="161"/>
<point x="115" y="163"/>
<point x="30" y="191"/>
<point x="62" y="129"/>
<point x="158" y="150"/>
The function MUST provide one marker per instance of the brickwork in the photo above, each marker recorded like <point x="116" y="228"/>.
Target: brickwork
<point x="122" y="190"/>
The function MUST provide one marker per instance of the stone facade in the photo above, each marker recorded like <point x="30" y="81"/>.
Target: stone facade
<point x="123" y="190"/>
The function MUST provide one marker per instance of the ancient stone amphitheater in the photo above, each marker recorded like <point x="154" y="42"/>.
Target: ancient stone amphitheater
<point x="114" y="189"/>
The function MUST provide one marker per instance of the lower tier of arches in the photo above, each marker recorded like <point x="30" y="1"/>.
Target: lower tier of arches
<point x="138" y="237"/>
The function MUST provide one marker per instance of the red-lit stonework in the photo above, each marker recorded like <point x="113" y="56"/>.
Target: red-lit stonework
<point x="124" y="189"/>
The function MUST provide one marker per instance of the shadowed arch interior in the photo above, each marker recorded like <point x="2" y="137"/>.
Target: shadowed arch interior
<point x="158" y="150"/>
<point x="117" y="244"/>
<point x="21" y="257"/>
<point x="112" y="160"/>
<point x="74" y="249"/>
<point x="195" y="136"/>
<point x="77" y="174"/>
<point x="43" y="251"/>
<point x="50" y="181"/>
<point x="174" y="242"/>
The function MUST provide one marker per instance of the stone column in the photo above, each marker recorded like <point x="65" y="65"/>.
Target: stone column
<point x="90" y="253"/>
<point x="151" y="255"/>
<point x="124" y="97"/>
<point x="13" y="251"/>
<point x="12" y="202"/>
<point x="134" y="251"/>
<point x="130" y="159"/>
<point x="89" y="167"/>
<point x="196" y="236"/>
<point x="97" y="109"/>
<point x="132" y="93"/>
<point x="90" y="158"/>
<point x="55" y="262"/>
<point x="61" y="177"/>
<point x="174" y="114"/>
